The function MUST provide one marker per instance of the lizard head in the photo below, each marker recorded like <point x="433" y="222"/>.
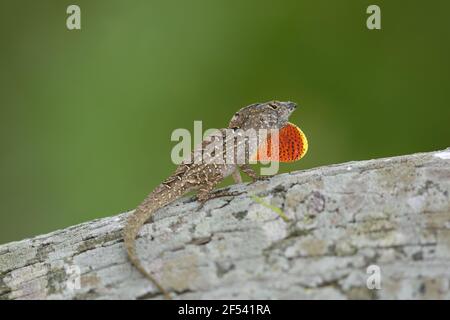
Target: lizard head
<point x="267" y="115"/>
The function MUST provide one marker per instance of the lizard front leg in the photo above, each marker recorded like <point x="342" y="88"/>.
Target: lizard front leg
<point x="252" y="173"/>
<point x="236" y="176"/>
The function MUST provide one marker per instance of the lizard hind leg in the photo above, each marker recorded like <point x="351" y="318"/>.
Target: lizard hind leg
<point x="223" y="193"/>
<point x="206" y="193"/>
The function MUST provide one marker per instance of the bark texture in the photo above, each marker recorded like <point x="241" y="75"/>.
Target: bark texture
<point x="393" y="213"/>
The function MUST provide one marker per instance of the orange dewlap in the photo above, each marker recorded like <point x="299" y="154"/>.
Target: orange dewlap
<point x="293" y="145"/>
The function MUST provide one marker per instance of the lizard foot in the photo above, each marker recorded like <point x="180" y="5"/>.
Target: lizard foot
<point x="261" y="178"/>
<point x="213" y="195"/>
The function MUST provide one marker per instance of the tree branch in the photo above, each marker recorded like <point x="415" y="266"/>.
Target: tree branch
<point x="393" y="213"/>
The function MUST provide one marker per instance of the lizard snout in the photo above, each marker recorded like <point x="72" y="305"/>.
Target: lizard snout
<point x="291" y="105"/>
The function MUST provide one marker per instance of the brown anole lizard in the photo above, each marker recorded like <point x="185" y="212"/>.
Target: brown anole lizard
<point x="203" y="177"/>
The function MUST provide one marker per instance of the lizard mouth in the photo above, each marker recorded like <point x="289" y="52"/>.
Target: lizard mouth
<point x="292" y="145"/>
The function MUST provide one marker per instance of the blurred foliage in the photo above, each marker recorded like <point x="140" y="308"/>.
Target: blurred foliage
<point x="86" y="116"/>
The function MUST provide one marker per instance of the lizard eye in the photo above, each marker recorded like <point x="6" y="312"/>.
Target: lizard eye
<point x="273" y="106"/>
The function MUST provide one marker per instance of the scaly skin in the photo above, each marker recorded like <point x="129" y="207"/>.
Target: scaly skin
<point x="203" y="176"/>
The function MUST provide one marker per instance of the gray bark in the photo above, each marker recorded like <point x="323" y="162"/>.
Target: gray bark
<point x="393" y="213"/>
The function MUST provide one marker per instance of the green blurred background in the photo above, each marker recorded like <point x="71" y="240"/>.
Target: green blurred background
<point x="86" y="116"/>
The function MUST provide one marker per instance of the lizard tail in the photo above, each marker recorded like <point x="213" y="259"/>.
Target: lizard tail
<point x="134" y="223"/>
